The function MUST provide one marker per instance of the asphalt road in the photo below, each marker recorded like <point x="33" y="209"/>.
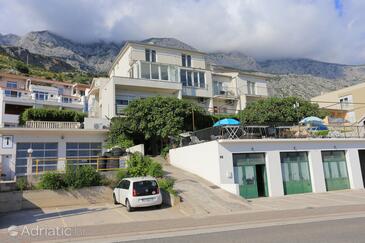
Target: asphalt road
<point x="341" y="230"/>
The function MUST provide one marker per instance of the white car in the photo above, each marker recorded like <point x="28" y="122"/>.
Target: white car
<point x="137" y="192"/>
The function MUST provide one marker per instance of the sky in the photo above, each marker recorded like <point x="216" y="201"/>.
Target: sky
<point x="326" y="30"/>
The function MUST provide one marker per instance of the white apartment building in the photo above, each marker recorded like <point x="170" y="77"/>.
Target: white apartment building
<point x="18" y="93"/>
<point x="146" y="69"/>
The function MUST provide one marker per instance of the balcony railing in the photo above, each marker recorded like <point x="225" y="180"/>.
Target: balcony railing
<point x="25" y="95"/>
<point x="53" y="125"/>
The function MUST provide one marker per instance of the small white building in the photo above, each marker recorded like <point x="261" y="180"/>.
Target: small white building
<point x="276" y="167"/>
<point x="51" y="146"/>
<point x="144" y="69"/>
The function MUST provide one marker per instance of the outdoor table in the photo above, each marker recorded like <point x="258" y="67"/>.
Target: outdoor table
<point x="231" y="131"/>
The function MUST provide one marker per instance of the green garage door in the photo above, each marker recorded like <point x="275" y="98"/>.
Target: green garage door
<point x="250" y="174"/>
<point x="295" y="170"/>
<point x="335" y="170"/>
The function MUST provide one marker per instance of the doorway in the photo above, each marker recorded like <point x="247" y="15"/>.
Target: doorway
<point x="362" y="163"/>
<point x="250" y="174"/>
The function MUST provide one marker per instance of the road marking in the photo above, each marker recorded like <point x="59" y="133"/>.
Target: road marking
<point x="62" y="219"/>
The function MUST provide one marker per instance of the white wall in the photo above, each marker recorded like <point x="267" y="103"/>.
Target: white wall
<point x="213" y="160"/>
<point x="200" y="159"/>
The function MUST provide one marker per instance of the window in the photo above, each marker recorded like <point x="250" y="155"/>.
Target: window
<point x="344" y="102"/>
<point x="11" y="85"/>
<point x="201" y="80"/>
<point x="12" y="93"/>
<point x="150" y="55"/>
<point x="82" y="92"/>
<point x="183" y="78"/>
<point x="154" y="71"/>
<point x="164" y="72"/>
<point x="41" y="95"/>
<point x="66" y="100"/>
<point x="185" y="60"/>
<point x="251" y="88"/>
<point x="60" y="91"/>
<point x="46" y="153"/>
<point x="82" y="153"/>
<point x="145" y="70"/>
<point x="192" y="78"/>
<point x="121" y="102"/>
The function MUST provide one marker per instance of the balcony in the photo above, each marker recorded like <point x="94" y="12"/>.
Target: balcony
<point x="152" y="85"/>
<point x="10" y="119"/>
<point x="19" y="96"/>
<point x="225" y="92"/>
<point x="53" y="125"/>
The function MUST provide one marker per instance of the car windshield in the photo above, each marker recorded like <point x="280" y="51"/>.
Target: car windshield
<point x="145" y="188"/>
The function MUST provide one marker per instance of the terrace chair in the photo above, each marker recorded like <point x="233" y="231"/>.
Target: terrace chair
<point x="195" y="140"/>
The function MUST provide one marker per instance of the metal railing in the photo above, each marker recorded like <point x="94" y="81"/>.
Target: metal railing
<point x="53" y="125"/>
<point x="271" y="132"/>
<point x="41" y="165"/>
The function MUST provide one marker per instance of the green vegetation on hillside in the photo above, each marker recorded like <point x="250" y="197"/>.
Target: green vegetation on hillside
<point x="8" y="63"/>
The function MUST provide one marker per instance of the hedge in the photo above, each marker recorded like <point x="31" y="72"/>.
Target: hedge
<point x="38" y="114"/>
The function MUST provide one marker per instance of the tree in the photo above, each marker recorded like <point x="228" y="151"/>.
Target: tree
<point x="154" y="119"/>
<point x="21" y="67"/>
<point x="279" y="111"/>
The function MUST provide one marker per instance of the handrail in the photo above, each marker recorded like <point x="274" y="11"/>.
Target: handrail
<point x="53" y="125"/>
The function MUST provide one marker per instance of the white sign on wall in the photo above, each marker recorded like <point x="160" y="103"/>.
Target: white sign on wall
<point x="7" y="141"/>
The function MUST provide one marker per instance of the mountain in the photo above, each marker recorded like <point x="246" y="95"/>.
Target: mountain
<point x="233" y="59"/>
<point x="295" y="76"/>
<point x="91" y="57"/>
<point x="48" y="63"/>
<point x="9" y="39"/>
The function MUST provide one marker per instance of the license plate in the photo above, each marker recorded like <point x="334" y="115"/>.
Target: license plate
<point x="147" y="199"/>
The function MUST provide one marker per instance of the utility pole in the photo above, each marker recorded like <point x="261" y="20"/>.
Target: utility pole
<point x="193" y="118"/>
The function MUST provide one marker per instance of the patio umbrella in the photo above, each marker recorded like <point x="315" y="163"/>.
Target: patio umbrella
<point x="312" y="120"/>
<point x="226" y="121"/>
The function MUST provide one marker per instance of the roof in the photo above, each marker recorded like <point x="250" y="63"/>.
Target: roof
<point x="39" y="79"/>
<point x="48" y="131"/>
<point x="142" y="178"/>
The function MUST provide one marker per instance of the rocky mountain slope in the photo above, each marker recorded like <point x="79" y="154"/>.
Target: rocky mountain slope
<point x="302" y="77"/>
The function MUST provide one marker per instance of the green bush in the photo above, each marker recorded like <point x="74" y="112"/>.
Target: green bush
<point x="21" y="67"/>
<point x="82" y="176"/>
<point x="52" y="181"/>
<point x="138" y="165"/>
<point x="121" y="174"/>
<point x="165" y="151"/>
<point x="155" y="169"/>
<point x="167" y="184"/>
<point x="21" y="184"/>
<point x="38" y="114"/>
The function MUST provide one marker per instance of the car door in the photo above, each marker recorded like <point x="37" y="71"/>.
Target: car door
<point x="124" y="191"/>
<point x="118" y="191"/>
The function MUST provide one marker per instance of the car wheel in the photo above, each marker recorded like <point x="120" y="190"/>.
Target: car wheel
<point x="159" y="206"/>
<point x="128" y="205"/>
<point x="115" y="199"/>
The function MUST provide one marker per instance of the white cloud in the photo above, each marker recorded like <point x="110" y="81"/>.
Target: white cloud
<point x="261" y="28"/>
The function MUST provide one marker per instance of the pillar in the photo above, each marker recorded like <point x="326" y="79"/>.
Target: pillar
<point x="354" y="169"/>
<point x="274" y="176"/>
<point x="316" y="171"/>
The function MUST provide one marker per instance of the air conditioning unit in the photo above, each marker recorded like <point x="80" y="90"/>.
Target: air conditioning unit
<point x="222" y="92"/>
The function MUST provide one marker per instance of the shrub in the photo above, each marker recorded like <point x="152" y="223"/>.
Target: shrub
<point x="52" y="181"/>
<point x="121" y="174"/>
<point x="82" y="176"/>
<point x="165" y="151"/>
<point x="37" y="114"/>
<point x="138" y="165"/>
<point x="167" y="184"/>
<point x="155" y="169"/>
<point x="21" y="183"/>
<point x="21" y="67"/>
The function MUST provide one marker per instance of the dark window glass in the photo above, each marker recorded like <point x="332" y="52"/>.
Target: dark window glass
<point x="84" y="145"/>
<point x="153" y="56"/>
<point x="51" y="145"/>
<point x="183" y="60"/>
<point x="71" y="145"/>
<point x="38" y="145"/>
<point x="189" y="81"/>
<point x="183" y="77"/>
<point x="154" y="71"/>
<point x="145" y="188"/>
<point x="23" y="145"/>
<point x="122" y="102"/>
<point x="188" y="60"/>
<point x="196" y="79"/>
<point x="202" y="79"/>
<point x="147" y="55"/>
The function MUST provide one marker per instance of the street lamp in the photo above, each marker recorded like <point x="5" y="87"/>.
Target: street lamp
<point x="29" y="165"/>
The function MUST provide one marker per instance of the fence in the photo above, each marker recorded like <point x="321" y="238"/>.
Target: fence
<point x="60" y="164"/>
<point x="273" y="132"/>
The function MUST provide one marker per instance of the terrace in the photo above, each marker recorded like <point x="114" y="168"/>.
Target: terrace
<point x="237" y="132"/>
